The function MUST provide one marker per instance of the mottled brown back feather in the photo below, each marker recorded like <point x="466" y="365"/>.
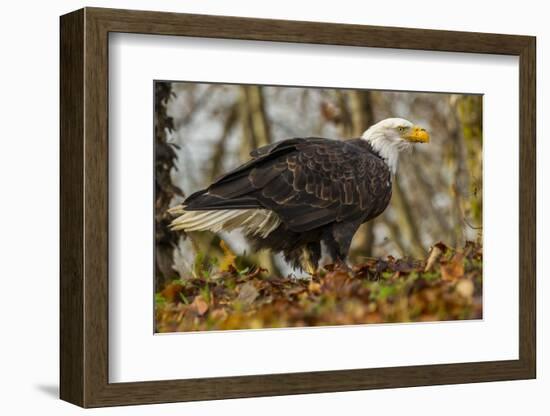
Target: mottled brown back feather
<point x="308" y="182"/>
<point x="319" y="188"/>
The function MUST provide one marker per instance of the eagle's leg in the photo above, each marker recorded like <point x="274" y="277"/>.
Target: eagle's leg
<point x="339" y="241"/>
<point x="311" y="254"/>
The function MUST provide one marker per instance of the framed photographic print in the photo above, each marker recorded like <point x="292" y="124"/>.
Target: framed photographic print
<point x="256" y="207"/>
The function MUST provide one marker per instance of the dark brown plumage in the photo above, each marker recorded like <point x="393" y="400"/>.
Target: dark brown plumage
<point x="320" y="189"/>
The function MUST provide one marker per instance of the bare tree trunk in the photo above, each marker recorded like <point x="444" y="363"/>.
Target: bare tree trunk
<point x="459" y="183"/>
<point x="344" y="121"/>
<point x="470" y="118"/>
<point x="165" y="190"/>
<point x="255" y="133"/>
<point x="406" y="221"/>
<point x="258" y="121"/>
<point x="219" y="151"/>
<point x="361" y="119"/>
<point x="247" y="134"/>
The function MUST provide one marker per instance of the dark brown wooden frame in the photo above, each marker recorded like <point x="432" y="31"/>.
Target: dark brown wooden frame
<point x="84" y="209"/>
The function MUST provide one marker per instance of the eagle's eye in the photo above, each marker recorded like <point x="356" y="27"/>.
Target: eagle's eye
<point x="402" y="129"/>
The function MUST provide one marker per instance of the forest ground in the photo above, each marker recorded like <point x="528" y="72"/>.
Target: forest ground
<point x="221" y="295"/>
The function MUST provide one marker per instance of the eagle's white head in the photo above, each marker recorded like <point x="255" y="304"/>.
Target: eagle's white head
<point x="392" y="135"/>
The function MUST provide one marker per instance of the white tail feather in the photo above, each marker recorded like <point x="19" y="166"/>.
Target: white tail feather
<point x="257" y="222"/>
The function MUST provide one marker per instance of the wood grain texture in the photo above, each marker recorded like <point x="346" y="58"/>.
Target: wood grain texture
<point x="96" y="209"/>
<point x="226" y="27"/>
<point x="71" y="208"/>
<point x="84" y="207"/>
<point x="527" y="208"/>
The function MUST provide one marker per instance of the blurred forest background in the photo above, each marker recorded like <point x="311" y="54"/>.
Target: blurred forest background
<point x="204" y="130"/>
<point x="421" y="260"/>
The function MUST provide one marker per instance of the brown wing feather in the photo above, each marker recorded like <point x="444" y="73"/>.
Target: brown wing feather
<point x="308" y="182"/>
<point x="324" y="181"/>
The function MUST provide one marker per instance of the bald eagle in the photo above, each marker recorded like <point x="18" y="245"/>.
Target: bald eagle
<point x="296" y="193"/>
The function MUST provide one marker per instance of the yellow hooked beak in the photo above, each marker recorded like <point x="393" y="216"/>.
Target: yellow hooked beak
<point x="418" y="135"/>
